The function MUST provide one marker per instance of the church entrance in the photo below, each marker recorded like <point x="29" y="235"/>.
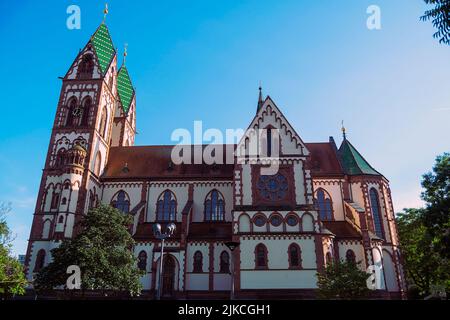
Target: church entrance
<point x="168" y="276"/>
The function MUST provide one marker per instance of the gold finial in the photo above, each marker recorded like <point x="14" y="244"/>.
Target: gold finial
<point x="125" y="53"/>
<point x="105" y="12"/>
<point x="343" y="129"/>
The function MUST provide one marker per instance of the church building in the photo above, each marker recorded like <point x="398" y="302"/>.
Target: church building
<point x="324" y="203"/>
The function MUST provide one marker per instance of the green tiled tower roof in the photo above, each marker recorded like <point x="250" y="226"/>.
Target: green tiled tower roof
<point x="103" y="46"/>
<point x="124" y="88"/>
<point x="353" y="162"/>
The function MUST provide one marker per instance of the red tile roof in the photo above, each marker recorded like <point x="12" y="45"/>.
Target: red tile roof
<point x="147" y="162"/>
<point x="323" y="159"/>
<point x="342" y="229"/>
<point x="154" y="162"/>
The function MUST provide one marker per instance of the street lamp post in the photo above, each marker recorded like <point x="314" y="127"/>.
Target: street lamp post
<point x="232" y="245"/>
<point x="162" y="236"/>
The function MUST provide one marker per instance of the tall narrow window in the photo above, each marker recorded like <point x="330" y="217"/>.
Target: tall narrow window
<point x="102" y="128"/>
<point x="224" y="262"/>
<point x="329" y="258"/>
<point x="98" y="163"/>
<point x="166" y="207"/>
<point x="350" y="256"/>
<point x="122" y="203"/>
<point x="295" y="260"/>
<point x="324" y="205"/>
<point x="40" y="260"/>
<point x="86" y="110"/>
<point x="214" y="206"/>
<point x="198" y="262"/>
<point x="269" y="142"/>
<point x="86" y="67"/>
<point x="72" y="112"/>
<point x="376" y="213"/>
<point x="142" y="260"/>
<point x="261" y="256"/>
<point x="55" y="201"/>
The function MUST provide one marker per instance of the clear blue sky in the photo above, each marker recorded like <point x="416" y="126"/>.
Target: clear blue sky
<point x="203" y="60"/>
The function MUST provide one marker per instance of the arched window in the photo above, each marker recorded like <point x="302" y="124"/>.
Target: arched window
<point x="60" y="157"/>
<point x="224" y="262"/>
<point x="64" y="201"/>
<point x="72" y="110"/>
<point x="40" y="260"/>
<point x="198" y="262"/>
<point x="324" y="205"/>
<point x="261" y="256"/>
<point x="104" y="117"/>
<point x="214" y="206"/>
<point x="61" y="219"/>
<point x="98" y="163"/>
<point x="166" y="207"/>
<point x="86" y="67"/>
<point x="86" y="110"/>
<point x="55" y="200"/>
<point x="376" y="213"/>
<point x="269" y="142"/>
<point x="142" y="260"/>
<point x="350" y="256"/>
<point x="122" y="203"/>
<point x="295" y="256"/>
<point x="329" y="258"/>
<point x="91" y="199"/>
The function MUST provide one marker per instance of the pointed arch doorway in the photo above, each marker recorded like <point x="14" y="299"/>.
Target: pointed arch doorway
<point x="168" y="276"/>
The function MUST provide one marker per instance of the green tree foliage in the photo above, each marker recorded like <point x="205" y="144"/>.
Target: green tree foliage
<point x="436" y="194"/>
<point x="440" y="18"/>
<point x="12" y="278"/>
<point x="102" y="251"/>
<point x="342" y="280"/>
<point x="424" y="233"/>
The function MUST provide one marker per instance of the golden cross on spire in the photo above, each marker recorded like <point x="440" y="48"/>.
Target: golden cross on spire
<point x="343" y="129"/>
<point x="105" y="12"/>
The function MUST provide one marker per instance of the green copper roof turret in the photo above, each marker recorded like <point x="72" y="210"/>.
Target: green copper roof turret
<point x="124" y="88"/>
<point x="353" y="162"/>
<point x="103" y="46"/>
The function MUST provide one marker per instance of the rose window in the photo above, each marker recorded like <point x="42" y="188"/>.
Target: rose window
<point x="272" y="187"/>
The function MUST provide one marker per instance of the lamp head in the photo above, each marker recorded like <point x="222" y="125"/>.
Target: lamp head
<point x="157" y="229"/>
<point x="171" y="228"/>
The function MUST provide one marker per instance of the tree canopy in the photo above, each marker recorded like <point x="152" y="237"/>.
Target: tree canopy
<point x="424" y="232"/>
<point x="342" y="280"/>
<point x="103" y="252"/>
<point x="12" y="277"/>
<point x="440" y="18"/>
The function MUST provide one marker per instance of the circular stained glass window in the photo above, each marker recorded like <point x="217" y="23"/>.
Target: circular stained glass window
<point x="259" y="221"/>
<point x="292" y="221"/>
<point x="273" y="188"/>
<point x="275" y="221"/>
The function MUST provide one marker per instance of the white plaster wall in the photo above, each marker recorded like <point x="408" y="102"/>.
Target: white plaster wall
<point x="36" y="246"/>
<point x="132" y="189"/>
<point x="146" y="280"/>
<point x="222" y="281"/>
<point x="181" y="194"/>
<point x="246" y="185"/>
<point x="357" y="248"/>
<point x="277" y="120"/>
<point x="279" y="279"/>
<point x="334" y="190"/>
<point x="299" y="183"/>
<point x="277" y="252"/>
<point x="200" y="193"/>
